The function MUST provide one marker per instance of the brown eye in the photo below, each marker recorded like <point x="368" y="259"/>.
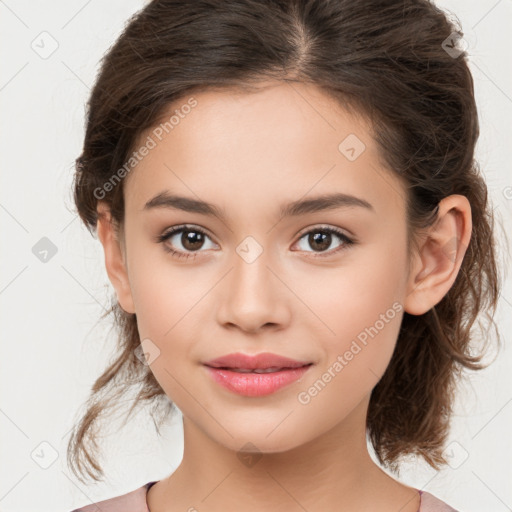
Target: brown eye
<point x="321" y="239"/>
<point x="185" y="239"/>
<point x="191" y="240"/>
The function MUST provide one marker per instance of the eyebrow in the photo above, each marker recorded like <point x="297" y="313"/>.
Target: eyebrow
<point x="315" y="204"/>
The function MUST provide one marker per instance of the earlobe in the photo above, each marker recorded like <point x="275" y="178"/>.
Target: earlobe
<point x="439" y="257"/>
<point x="114" y="260"/>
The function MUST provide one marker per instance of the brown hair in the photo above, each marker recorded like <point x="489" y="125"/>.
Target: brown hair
<point x="393" y="62"/>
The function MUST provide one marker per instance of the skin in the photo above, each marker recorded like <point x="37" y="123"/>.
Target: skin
<point x="248" y="154"/>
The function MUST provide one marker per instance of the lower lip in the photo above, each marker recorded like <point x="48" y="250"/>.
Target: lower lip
<point x="256" y="384"/>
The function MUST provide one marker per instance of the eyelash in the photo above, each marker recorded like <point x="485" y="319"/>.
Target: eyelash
<point x="347" y="242"/>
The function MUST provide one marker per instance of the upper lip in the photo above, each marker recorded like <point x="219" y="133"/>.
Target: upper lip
<point x="258" y="361"/>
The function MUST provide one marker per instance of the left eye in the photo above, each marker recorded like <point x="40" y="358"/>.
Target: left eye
<point x="192" y="239"/>
<point x="321" y="238"/>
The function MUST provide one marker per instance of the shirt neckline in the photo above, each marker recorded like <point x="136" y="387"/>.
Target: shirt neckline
<point x="153" y="482"/>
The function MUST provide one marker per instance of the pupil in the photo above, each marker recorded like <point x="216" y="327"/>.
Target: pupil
<point x="192" y="240"/>
<point x="322" y="239"/>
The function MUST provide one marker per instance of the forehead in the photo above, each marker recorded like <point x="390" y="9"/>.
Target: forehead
<point x="282" y="141"/>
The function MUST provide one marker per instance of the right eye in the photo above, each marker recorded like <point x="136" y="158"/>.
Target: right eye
<point x="191" y="239"/>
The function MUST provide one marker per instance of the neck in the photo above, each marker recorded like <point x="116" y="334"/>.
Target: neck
<point x="331" y="472"/>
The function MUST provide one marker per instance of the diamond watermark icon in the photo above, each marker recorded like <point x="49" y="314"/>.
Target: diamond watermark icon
<point x="249" y="249"/>
<point x="351" y="147"/>
<point x="249" y="455"/>
<point x="455" y="454"/>
<point x="147" y="352"/>
<point x="45" y="45"/>
<point x="44" y="454"/>
<point x="44" y="250"/>
<point x="454" y="45"/>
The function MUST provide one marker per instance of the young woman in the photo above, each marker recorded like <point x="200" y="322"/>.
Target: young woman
<point x="300" y="241"/>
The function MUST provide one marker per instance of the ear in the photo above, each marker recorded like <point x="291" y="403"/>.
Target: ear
<point x="435" y="265"/>
<point x="114" y="258"/>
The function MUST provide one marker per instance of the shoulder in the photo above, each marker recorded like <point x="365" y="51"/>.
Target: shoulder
<point x="430" y="503"/>
<point x="133" y="501"/>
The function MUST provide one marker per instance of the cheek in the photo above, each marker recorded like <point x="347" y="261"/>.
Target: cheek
<point x="361" y="317"/>
<point x="167" y="316"/>
<point x="168" y="300"/>
<point x="163" y="291"/>
<point x="358" y="309"/>
<point x="355" y="294"/>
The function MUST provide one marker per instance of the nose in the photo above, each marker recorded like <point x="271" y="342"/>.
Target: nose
<point x="252" y="296"/>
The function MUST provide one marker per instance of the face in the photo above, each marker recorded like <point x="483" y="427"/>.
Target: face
<point x="320" y="284"/>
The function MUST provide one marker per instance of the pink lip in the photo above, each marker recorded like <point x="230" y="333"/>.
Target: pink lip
<point x="256" y="384"/>
<point x="222" y="370"/>
<point x="262" y="360"/>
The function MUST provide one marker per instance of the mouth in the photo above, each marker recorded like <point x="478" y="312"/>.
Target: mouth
<point x="259" y="370"/>
<point x="246" y="363"/>
<point x="256" y="382"/>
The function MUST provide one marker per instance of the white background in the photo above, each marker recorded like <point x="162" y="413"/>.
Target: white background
<point x="53" y="346"/>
